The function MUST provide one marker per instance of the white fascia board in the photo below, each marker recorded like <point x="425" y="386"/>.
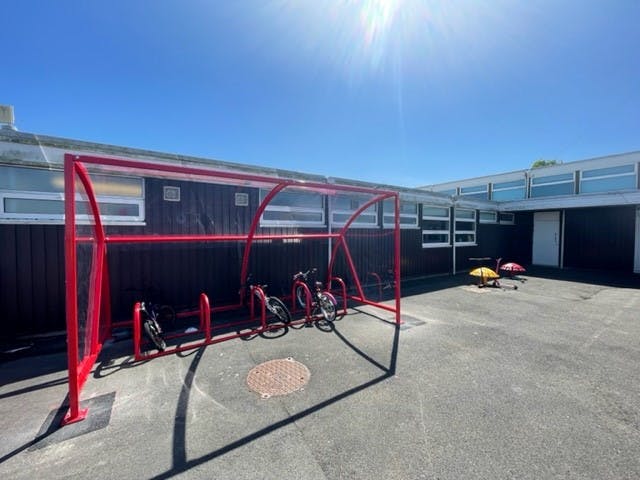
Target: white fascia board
<point x="630" y="197"/>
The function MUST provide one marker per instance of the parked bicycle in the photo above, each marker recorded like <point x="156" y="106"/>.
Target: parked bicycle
<point x="280" y="313"/>
<point x="153" y="316"/>
<point x="309" y="292"/>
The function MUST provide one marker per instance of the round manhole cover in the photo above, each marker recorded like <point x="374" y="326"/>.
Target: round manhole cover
<point x="278" y="377"/>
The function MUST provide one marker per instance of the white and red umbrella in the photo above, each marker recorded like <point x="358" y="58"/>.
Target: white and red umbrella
<point x="512" y="269"/>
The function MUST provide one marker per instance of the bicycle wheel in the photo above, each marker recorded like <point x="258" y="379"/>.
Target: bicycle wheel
<point x="327" y="308"/>
<point x="276" y="323"/>
<point x="301" y="296"/>
<point x="279" y="310"/>
<point x="153" y="332"/>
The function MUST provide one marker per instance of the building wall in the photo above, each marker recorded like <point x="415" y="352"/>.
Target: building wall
<point x="600" y="238"/>
<point x="512" y="243"/>
<point x="177" y="273"/>
<point x="32" y="265"/>
<point x="31" y="279"/>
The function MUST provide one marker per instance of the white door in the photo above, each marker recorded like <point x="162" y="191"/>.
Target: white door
<point x="546" y="238"/>
<point x="636" y="259"/>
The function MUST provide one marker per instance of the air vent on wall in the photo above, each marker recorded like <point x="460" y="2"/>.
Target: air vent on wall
<point x="242" y="199"/>
<point x="171" y="194"/>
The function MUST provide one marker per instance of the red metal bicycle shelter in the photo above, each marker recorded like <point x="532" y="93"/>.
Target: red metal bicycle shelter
<point x="89" y="322"/>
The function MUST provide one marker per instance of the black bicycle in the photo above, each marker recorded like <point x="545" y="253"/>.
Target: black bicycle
<point x="153" y="316"/>
<point x="321" y="301"/>
<point x="280" y="313"/>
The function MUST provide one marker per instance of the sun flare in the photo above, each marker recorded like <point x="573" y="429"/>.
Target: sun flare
<point x="376" y="16"/>
<point x="383" y="38"/>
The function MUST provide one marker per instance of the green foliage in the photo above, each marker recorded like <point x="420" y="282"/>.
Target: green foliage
<point x="543" y="163"/>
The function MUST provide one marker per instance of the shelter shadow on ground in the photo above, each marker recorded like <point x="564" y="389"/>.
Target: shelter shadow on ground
<point x="180" y="463"/>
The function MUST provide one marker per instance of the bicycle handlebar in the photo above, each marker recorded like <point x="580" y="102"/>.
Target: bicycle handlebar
<point x="304" y="275"/>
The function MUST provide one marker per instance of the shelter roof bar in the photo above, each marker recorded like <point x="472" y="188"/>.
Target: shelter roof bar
<point x="221" y="174"/>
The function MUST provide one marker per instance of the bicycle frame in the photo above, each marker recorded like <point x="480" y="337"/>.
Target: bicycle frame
<point x="266" y="303"/>
<point x="311" y="298"/>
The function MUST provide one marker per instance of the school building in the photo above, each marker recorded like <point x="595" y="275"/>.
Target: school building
<point x="575" y="215"/>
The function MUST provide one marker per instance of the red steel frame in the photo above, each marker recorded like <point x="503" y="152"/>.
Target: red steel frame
<point x="98" y="310"/>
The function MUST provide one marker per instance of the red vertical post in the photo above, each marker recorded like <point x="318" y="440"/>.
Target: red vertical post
<point x="71" y="293"/>
<point x="136" y="332"/>
<point x="205" y="319"/>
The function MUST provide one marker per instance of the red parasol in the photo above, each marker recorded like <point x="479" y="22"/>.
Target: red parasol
<point x="512" y="267"/>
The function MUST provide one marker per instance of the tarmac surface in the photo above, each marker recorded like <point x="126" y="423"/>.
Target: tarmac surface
<point x="534" y="383"/>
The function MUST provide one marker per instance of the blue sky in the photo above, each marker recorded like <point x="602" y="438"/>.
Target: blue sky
<point x="407" y="92"/>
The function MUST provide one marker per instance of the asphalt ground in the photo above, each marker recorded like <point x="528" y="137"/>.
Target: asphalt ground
<point x="534" y="383"/>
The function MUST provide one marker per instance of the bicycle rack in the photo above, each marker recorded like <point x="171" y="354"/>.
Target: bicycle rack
<point x="308" y="299"/>
<point x="204" y="314"/>
<point x="205" y="317"/>
<point x="263" y="308"/>
<point x="307" y="296"/>
<point x="343" y="293"/>
<point x="378" y="282"/>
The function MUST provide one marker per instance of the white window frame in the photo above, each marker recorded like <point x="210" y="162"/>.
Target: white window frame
<point x="534" y="185"/>
<point x="494" y="213"/>
<point x="449" y="191"/>
<point x="290" y="209"/>
<point x="391" y="215"/>
<point x="523" y="187"/>
<point x="371" y="212"/>
<point x="446" y="232"/>
<point x="472" y="231"/>
<point x="475" y="190"/>
<point x="611" y="175"/>
<point x="58" y="218"/>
